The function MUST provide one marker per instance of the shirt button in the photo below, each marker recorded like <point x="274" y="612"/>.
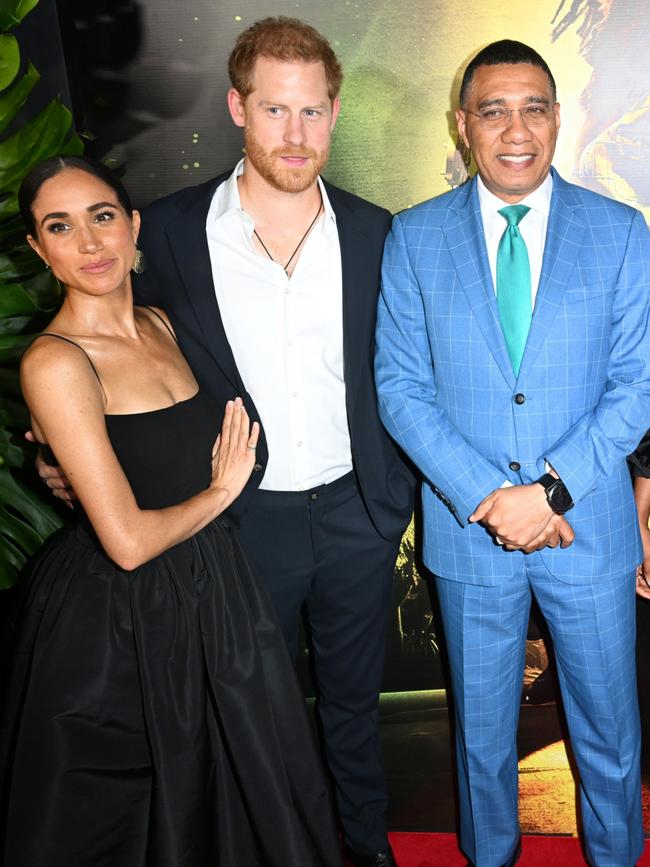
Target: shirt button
<point x="257" y="468"/>
<point x="515" y="466"/>
<point x="520" y="398"/>
<point x="294" y="394"/>
<point x="299" y="443"/>
<point x="289" y="342"/>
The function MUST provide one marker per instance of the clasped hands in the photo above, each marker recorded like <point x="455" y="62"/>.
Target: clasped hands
<point x="520" y="519"/>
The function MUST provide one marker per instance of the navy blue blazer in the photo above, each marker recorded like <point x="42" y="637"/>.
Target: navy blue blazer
<point x="178" y="278"/>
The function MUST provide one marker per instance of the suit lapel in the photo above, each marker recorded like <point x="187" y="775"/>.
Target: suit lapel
<point x="187" y="239"/>
<point x="354" y="275"/>
<point x="463" y="231"/>
<point x="564" y="238"/>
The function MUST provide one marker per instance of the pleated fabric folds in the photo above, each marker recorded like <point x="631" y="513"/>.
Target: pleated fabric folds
<point x="153" y="719"/>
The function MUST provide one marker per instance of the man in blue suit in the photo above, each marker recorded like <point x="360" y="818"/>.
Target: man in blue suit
<point x="513" y="366"/>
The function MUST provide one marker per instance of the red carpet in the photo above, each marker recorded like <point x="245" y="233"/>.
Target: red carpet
<point x="441" y="850"/>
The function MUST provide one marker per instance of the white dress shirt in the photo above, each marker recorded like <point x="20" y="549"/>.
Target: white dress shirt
<point x="532" y="227"/>
<point x="286" y="335"/>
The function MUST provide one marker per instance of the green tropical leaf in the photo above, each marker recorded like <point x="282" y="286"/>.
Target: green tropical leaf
<point x="12" y="100"/>
<point x="12" y="347"/>
<point x="12" y="229"/>
<point x="33" y="296"/>
<point x="12" y="12"/>
<point x="21" y="534"/>
<point x="48" y="134"/>
<point x="14" y="299"/>
<point x="9" y="382"/>
<point x="29" y="295"/>
<point x="18" y="541"/>
<point x="41" y="137"/>
<point x="16" y="324"/>
<point x="25" y="521"/>
<point x="21" y="264"/>
<point x="41" y="516"/>
<point x="10" y="454"/>
<point x="44" y="290"/>
<point x="14" y="414"/>
<point x="9" y="59"/>
<point x="11" y="562"/>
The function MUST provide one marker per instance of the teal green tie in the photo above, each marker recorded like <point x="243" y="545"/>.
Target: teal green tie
<point x="513" y="284"/>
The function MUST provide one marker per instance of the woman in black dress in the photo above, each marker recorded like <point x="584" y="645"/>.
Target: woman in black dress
<point x="152" y="716"/>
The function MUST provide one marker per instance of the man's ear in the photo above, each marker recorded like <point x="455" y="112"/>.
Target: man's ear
<point x="336" y="108"/>
<point x="462" y="126"/>
<point x="236" y="107"/>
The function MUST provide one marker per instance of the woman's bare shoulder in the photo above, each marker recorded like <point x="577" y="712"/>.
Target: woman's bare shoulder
<point x="57" y="365"/>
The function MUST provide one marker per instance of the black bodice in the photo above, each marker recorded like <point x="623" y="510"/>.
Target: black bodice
<point x="165" y="453"/>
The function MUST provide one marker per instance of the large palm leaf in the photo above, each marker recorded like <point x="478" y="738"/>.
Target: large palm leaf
<point x="28" y="294"/>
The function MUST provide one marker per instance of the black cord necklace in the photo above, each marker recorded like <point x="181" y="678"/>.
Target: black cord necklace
<point x="291" y="257"/>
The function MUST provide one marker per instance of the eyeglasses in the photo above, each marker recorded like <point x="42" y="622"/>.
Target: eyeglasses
<point x="499" y="117"/>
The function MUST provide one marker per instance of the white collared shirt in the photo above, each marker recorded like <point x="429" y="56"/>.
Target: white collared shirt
<point x="286" y="335"/>
<point x="532" y="227"/>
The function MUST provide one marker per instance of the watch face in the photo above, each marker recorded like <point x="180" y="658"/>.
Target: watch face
<point x="559" y="498"/>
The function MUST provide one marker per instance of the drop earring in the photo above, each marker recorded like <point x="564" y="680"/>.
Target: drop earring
<point x="138" y="262"/>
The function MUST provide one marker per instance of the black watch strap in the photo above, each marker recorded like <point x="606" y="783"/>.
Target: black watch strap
<point x="559" y="498"/>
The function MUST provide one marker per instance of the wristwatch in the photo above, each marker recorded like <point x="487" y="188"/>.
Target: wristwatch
<point x="559" y="498"/>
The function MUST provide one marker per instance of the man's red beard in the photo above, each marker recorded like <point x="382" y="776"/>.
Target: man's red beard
<point x="285" y="178"/>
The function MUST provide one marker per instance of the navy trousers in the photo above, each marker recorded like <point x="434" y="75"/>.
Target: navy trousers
<point x="319" y="549"/>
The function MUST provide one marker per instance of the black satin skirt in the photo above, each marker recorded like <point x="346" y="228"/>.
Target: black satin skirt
<point x="152" y="718"/>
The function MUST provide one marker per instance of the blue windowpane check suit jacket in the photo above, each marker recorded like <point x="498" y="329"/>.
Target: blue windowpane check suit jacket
<point x="581" y="401"/>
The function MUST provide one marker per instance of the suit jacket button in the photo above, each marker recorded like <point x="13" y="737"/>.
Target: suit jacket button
<point x="257" y="468"/>
<point x="520" y="398"/>
<point x="515" y="466"/>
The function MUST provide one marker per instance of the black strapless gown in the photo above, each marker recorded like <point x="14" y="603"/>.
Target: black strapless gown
<point x="153" y="717"/>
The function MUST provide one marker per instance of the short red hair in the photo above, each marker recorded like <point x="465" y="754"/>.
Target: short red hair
<point x="286" y="39"/>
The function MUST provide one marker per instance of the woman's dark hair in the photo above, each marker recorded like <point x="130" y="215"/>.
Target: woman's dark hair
<point x="53" y="166"/>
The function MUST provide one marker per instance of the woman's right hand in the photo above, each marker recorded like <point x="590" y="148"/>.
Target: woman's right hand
<point x="233" y="454"/>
